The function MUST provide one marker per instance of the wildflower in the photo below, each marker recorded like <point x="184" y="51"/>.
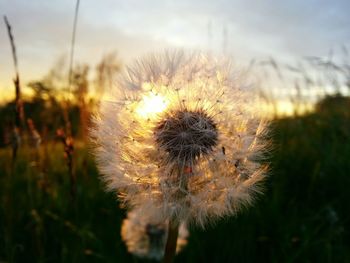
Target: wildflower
<point x="145" y="238"/>
<point x="181" y="138"/>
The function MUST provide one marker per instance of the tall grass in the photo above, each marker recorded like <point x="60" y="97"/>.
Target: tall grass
<point x="302" y="218"/>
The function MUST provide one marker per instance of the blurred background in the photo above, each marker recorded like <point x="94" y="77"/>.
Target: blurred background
<point x="60" y="58"/>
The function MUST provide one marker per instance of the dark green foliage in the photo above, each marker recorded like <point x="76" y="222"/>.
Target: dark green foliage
<point x="303" y="216"/>
<point x="46" y="114"/>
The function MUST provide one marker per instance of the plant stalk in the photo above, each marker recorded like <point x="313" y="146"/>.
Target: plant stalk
<point x="170" y="248"/>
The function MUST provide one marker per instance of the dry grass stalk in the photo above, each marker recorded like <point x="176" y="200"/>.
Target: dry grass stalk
<point x="66" y="136"/>
<point x="19" y="112"/>
<point x="68" y="145"/>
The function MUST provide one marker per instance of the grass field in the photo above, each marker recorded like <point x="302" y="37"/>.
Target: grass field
<point x="304" y="215"/>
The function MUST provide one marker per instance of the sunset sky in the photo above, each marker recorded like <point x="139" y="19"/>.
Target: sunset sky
<point x="285" y="30"/>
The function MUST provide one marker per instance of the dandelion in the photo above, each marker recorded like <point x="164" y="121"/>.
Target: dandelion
<point x="181" y="139"/>
<point x="147" y="239"/>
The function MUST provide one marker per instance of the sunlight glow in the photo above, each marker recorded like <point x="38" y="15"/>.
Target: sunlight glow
<point x="151" y="105"/>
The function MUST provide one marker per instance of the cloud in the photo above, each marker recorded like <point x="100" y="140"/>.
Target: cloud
<point x="43" y="33"/>
<point x="255" y="28"/>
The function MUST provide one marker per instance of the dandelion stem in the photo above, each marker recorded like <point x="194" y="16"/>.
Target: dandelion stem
<point x="170" y="248"/>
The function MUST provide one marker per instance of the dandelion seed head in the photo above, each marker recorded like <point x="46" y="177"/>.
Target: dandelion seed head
<point x="186" y="135"/>
<point x="182" y="137"/>
<point x="146" y="238"/>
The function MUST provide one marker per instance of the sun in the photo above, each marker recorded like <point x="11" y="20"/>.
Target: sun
<point x="151" y="105"/>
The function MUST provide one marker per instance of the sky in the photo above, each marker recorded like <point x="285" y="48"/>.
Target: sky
<point x="243" y="29"/>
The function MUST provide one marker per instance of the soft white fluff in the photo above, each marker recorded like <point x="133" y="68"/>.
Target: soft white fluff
<point x="147" y="239"/>
<point x="133" y="164"/>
